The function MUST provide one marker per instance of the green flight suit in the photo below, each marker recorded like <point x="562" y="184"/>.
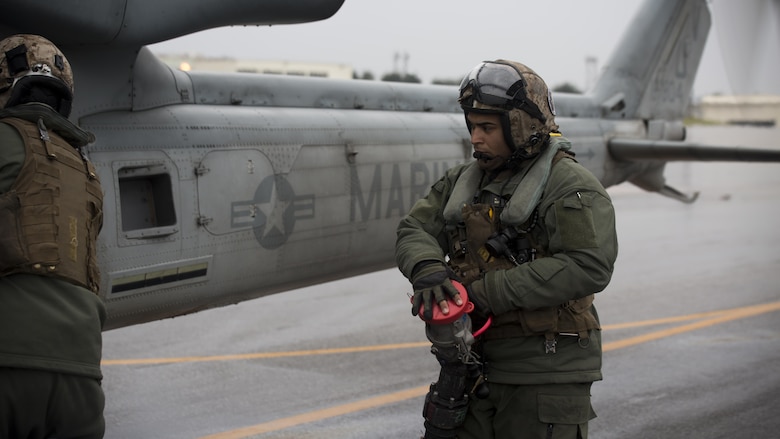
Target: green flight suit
<point x="532" y="393"/>
<point x="50" y="343"/>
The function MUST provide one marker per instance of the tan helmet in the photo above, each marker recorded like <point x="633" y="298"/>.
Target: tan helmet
<point x="33" y="69"/>
<point x="519" y="95"/>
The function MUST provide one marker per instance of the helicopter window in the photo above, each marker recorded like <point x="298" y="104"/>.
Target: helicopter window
<point x="146" y="200"/>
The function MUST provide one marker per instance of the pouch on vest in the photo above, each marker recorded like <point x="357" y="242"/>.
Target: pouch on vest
<point x="11" y="248"/>
<point x="480" y="222"/>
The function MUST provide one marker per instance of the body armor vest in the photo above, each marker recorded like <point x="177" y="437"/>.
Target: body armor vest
<point x="51" y="216"/>
<point x="481" y="243"/>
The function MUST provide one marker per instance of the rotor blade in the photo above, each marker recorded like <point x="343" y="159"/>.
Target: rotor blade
<point x="665" y="150"/>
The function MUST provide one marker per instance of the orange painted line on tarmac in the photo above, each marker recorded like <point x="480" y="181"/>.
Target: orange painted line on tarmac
<point x="723" y="317"/>
<point x="318" y="415"/>
<point x="264" y="355"/>
<point x="357" y="349"/>
<point x="663" y="321"/>
<point x="261" y="355"/>
<point x="711" y="319"/>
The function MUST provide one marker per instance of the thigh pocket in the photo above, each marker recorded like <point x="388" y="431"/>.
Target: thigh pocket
<point x="565" y="409"/>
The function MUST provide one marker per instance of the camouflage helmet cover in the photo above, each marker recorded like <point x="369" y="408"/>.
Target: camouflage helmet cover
<point x="516" y="92"/>
<point x="27" y="60"/>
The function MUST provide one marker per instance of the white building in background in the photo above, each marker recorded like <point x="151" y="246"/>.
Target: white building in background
<point x="198" y="63"/>
<point x="741" y="109"/>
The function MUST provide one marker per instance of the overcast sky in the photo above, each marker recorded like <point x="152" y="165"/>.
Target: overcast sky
<point x="446" y="38"/>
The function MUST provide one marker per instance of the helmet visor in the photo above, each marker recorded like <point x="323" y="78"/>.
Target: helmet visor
<point x="498" y="85"/>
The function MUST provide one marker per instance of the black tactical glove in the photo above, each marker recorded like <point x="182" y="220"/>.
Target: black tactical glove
<point x="431" y="282"/>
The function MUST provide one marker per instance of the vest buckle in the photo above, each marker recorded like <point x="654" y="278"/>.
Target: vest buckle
<point x="549" y="343"/>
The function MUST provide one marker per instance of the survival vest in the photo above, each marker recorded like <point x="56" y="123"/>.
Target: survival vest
<point x="480" y="243"/>
<point x="51" y="216"/>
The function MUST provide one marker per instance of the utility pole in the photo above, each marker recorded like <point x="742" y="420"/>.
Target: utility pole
<point x="591" y="72"/>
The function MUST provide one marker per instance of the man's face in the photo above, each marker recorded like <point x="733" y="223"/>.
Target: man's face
<point x="487" y="138"/>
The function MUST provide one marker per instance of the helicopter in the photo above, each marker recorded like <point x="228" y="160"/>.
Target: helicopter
<point x="224" y="187"/>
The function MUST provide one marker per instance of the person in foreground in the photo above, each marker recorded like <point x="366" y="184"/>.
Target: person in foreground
<point x="531" y="235"/>
<point x="50" y="214"/>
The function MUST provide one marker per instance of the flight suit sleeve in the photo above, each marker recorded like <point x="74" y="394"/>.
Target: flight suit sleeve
<point x="420" y="235"/>
<point x="578" y="222"/>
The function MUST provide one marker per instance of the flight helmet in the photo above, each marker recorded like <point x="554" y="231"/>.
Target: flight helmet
<point x="520" y="96"/>
<point x="33" y="69"/>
